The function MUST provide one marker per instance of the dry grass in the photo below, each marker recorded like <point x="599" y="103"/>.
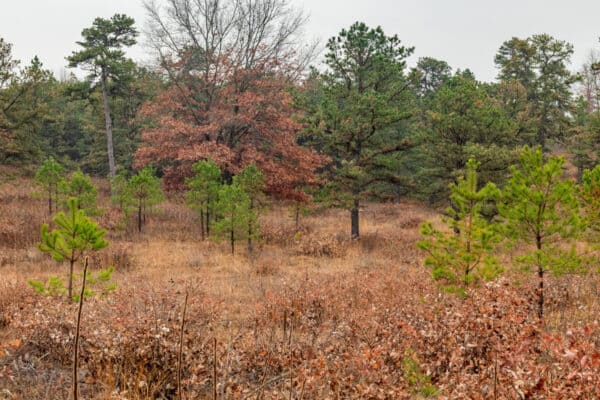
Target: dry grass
<point x="342" y="318"/>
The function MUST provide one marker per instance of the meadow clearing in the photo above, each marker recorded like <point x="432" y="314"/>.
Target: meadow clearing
<point x="308" y="315"/>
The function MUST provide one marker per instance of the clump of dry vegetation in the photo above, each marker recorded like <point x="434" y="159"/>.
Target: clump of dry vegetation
<point x="333" y="319"/>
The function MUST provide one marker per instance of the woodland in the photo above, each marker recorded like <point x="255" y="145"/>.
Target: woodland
<point x="256" y="216"/>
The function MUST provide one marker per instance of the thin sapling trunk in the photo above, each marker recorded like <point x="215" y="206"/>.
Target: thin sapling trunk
<point x="109" y="127"/>
<point x="354" y="234"/>
<point x="139" y="216"/>
<point x="76" y="345"/>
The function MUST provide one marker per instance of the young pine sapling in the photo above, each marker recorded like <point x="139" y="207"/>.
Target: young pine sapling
<point x="541" y="208"/>
<point x="119" y="190"/>
<point x="590" y="199"/>
<point x="462" y="253"/>
<point x="49" y="176"/>
<point x="203" y="191"/>
<point x="80" y="187"/>
<point x="234" y="213"/>
<point x="144" y="191"/>
<point x="252" y="181"/>
<point x="76" y="235"/>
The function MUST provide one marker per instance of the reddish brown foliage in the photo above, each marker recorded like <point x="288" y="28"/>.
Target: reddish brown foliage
<point x="235" y="118"/>
<point x="344" y="337"/>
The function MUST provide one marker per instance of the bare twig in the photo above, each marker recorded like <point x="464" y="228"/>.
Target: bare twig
<point x="215" y="370"/>
<point x="76" y="345"/>
<point x="302" y="390"/>
<point x="261" y="388"/>
<point x="179" y="358"/>
<point x="291" y="383"/>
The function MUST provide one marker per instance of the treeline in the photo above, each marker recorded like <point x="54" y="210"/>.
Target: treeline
<point x="236" y="83"/>
<point x="42" y="116"/>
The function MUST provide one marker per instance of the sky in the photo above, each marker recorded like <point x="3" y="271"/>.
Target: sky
<point x="465" y="33"/>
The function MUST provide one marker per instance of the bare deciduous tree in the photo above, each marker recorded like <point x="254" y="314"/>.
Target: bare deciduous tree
<point x="590" y="81"/>
<point x="226" y="35"/>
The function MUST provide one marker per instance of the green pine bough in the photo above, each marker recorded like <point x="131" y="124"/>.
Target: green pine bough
<point x="541" y="209"/>
<point x="75" y="237"/>
<point x="462" y="254"/>
<point x="203" y="192"/>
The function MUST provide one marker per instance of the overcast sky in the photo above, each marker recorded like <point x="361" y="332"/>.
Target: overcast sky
<point x="465" y="33"/>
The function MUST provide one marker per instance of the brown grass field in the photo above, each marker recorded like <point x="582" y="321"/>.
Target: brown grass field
<point x="307" y="315"/>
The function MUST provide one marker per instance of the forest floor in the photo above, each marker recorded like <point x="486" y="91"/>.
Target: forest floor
<point x="308" y="314"/>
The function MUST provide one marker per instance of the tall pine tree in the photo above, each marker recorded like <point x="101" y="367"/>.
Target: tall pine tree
<point x="362" y="117"/>
<point x="103" y="56"/>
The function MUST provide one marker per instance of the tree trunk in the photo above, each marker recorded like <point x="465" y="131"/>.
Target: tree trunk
<point x="249" y="237"/>
<point x="140" y="216"/>
<point x="70" y="290"/>
<point x="232" y="242"/>
<point x="77" y="330"/>
<point x="540" y="278"/>
<point x="202" y="224"/>
<point x="541" y="292"/>
<point x="56" y="197"/>
<point x="541" y="134"/>
<point x="297" y="217"/>
<point x="50" y="202"/>
<point x="112" y="169"/>
<point x="580" y="172"/>
<point x="207" y="222"/>
<point x="354" y="219"/>
<point x="250" y="227"/>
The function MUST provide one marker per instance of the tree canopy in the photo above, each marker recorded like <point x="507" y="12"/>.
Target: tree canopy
<point x="360" y="118"/>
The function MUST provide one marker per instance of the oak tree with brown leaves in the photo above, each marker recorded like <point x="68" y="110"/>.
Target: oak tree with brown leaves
<point x="228" y="96"/>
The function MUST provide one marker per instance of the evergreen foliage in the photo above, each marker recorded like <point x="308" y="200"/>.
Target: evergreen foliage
<point x="79" y="186"/>
<point x="234" y="215"/>
<point x="119" y="185"/>
<point x="463" y="252"/>
<point x="464" y="122"/>
<point x="75" y="236"/>
<point x="97" y="283"/>
<point x="540" y="64"/>
<point x="360" y="118"/>
<point x="252" y="182"/>
<point x="590" y="199"/>
<point x="49" y="177"/>
<point x="541" y="208"/>
<point x="203" y="191"/>
<point x="144" y="191"/>
<point x="103" y="56"/>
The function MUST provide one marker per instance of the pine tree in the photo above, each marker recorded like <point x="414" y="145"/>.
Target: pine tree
<point x="104" y="58"/>
<point x="590" y="199"/>
<point x="463" y="253"/>
<point x="49" y="176"/>
<point x="76" y="235"/>
<point x="540" y="64"/>
<point x="203" y="191"/>
<point x="541" y="208"/>
<point x="233" y="209"/>
<point x="464" y="121"/>
<point x="252" y="181"/>
<point x="362" y="117"/>
<point x="119" y="189"/>
<point x="80" y="187"/>
<point x="144" y="191"/>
